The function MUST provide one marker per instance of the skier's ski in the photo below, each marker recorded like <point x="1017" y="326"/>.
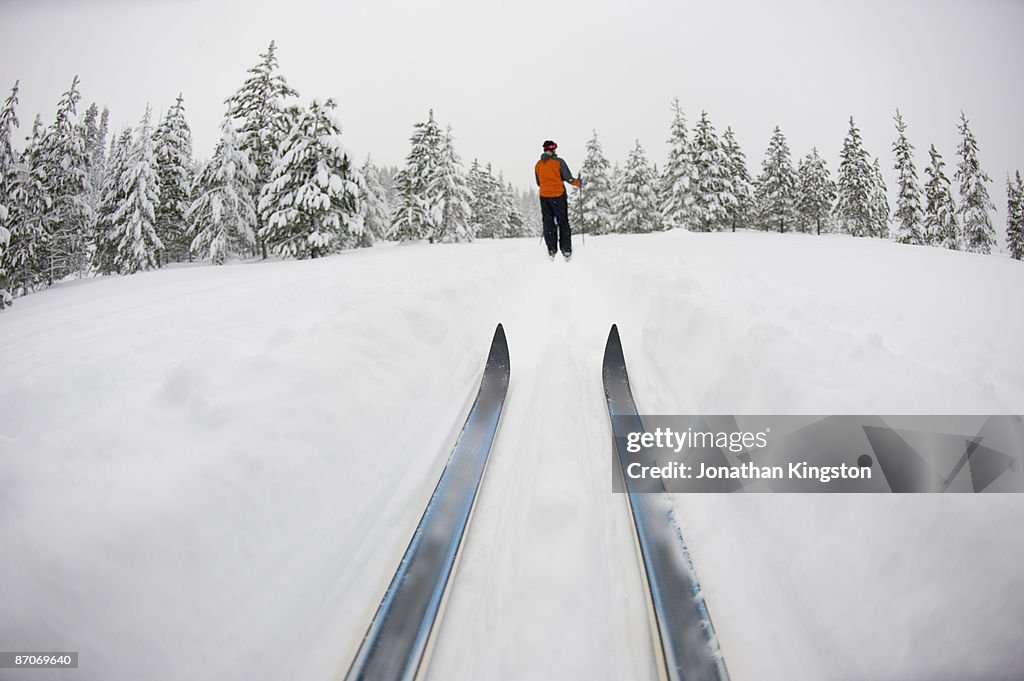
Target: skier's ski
<point x="396" y="643"/>
<point x="684" y="640"/>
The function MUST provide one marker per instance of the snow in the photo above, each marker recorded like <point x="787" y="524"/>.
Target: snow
<point x="212" y="472"/>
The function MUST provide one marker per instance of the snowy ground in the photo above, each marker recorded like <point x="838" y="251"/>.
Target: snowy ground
<point x="211" y="473"/>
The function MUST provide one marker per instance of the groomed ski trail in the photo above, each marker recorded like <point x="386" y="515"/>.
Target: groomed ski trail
<point x="547" y="499"/>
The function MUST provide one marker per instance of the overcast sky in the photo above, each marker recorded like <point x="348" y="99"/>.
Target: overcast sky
<point x="506" y="76"/>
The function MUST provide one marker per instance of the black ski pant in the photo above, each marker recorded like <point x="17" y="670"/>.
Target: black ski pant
<point x="555" y="212"/>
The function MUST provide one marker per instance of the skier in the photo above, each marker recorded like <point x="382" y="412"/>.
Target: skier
<point x="551" y="171"/>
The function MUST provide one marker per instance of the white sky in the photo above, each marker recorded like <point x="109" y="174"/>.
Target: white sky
<point x="507" y="76"/>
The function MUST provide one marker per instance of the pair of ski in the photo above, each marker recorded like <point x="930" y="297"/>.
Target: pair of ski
<point x="396" y="645"/>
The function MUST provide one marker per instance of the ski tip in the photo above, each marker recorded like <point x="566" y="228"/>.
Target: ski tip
<point x="499" y="348"/>
<point x="613" y="349"/>
<point x="613" y="335"/>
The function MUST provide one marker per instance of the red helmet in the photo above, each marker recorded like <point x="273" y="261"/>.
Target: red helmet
<point x="549" y="145"/>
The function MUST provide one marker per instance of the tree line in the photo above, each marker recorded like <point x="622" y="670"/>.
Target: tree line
<point x="279" y="181"/>
<point x="705" y="186"/>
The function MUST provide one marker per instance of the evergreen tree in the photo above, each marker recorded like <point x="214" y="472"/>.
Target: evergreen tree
<point x="374" y="205"/>
<point x="8" y="174"/>
<point x="711" y="190"/>
<point x="29" y="217"/>
<point x="514" y="218"/>
<point x="975" y="205"/>
<point x="815" y="192"/>
<point x="637" y="208"/>
<point x="879" y="203"/>
<point x="853" y="211"/>
<point x="136" y="243"/>
<point x="940" y="223"/>
<point x="173" y="141"/>
<point x="909" y="215"/>
<point x="488" y="215"/>
<point x="595" y="209"/>
<point x="416" y="204"/>
<point x="65" y="167"/>
<point x="265" y="119"/>
<point x="479" y="200"/>
<point x="530" y="213"/>
<point x="95" y="128"/>
<point x="1015" y="217"/>
<point x="112" y="196"/>
<point x="452" y="214"/>
<point x="740" y="212"/>
<point x="678" y="174"/>
<point x="222" y="218"/>
<point x="387" y="180"/>
<point x="311" y="204"/>
<point x="94" y="131"/>
<point x="776" y="186"/>
<point x="616" y="176"/>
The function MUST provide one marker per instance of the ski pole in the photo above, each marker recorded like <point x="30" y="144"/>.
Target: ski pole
<point x="583" y="225"/>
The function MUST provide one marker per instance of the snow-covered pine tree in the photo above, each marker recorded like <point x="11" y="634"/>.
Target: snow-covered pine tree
<point x="530" y="211"/>
<point x="481" y="203"/>
<point x="517" y="226"/>
<point x="374" y="205"/>
<point x="677" y="174"/>
<point x="452" y="214"/>
<point x="387" y="180"/>
<point x="909" y="214"/>
<point x="940" y="224"/>
<point x="596" y="203"/>
<point x="95" y="127"/>
<point x="112" y="196"/>
<point x="879" y="203"/>
<point x="8" y="174"/>
<point x="616" y="176"/>
<point x="711" y="190"/>
<point x="637" y="208"/>
<point x="776" y="185"/>
<point x="494" y="213"/>
<point x="264" y="118"/>
<point x="741" y="211"/>
<point x="815" y="192"/>
<point x="853" y="212"/>
<point x="502" y="219"/>
<point x="310" y="206"/>
<point x="136" y="243"/>
<point x="976" y="207"/>
<point x="175" y="170"/>
<point x="94" y="131"/>
<point x="415" y="206"/>
<point x="65" y="164"/>
<point x="29" y="217"/>
<point x="1015" y="217"/>
<point x="222" y="218"/>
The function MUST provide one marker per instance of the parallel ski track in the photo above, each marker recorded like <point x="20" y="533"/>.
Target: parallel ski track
<point x="397" y="644"/>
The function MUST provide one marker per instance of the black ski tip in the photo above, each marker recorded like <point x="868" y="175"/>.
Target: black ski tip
<point x="614" y="360"/>
<point x="613" y="348"/>
<point x="498" y="356"/>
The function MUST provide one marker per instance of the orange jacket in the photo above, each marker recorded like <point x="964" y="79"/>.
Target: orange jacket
<point x="551" y="172"/>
